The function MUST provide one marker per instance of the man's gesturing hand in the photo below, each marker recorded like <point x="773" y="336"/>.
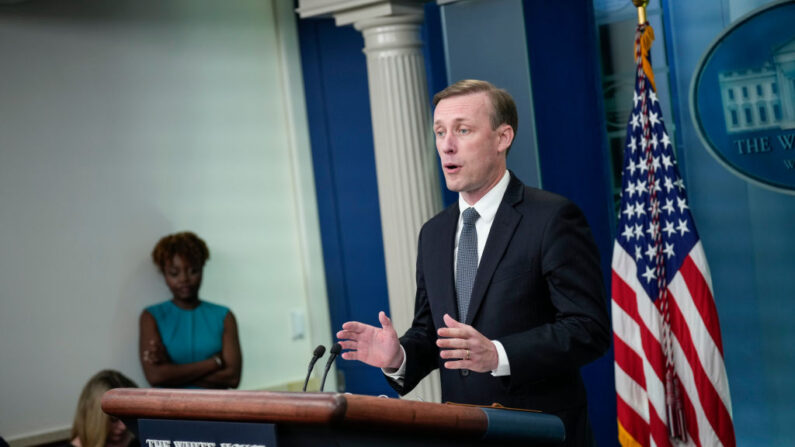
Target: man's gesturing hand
<point x="469" y="347"/>
<point x="374" y="346"/>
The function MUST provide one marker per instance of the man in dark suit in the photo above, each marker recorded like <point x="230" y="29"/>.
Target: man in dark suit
<point x="510" y="301"/>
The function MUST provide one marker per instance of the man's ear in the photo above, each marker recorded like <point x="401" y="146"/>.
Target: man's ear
<point x="505" y="135"/>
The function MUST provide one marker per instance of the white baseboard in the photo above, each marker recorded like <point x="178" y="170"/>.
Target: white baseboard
<point x="42" y="437"/>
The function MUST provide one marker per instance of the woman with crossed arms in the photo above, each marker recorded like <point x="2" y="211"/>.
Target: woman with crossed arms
<point x="186" y="342"/>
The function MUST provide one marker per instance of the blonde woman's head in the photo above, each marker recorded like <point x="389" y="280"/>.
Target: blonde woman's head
<point x="92" y="427"/>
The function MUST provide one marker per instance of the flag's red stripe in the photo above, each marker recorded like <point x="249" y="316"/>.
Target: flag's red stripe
<point x="702" y="298"/>
<point x="716" y="413"/>
<point x="632" y="422"/>
<point x="690" y="418"/>
<point x="653" y="351"/>
<point x="626" y="298"/>
<point x="629" y="361"/>
<point x="632" y="363"/>
<point x="658" y="429"/>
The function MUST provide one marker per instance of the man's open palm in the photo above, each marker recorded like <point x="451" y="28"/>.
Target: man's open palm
<point x="374" y="346"/>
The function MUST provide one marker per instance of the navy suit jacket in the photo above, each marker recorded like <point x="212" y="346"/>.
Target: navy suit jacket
<point x="538" y="290"/>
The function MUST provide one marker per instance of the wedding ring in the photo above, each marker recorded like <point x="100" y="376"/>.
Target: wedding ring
<point x="466" y="357"/>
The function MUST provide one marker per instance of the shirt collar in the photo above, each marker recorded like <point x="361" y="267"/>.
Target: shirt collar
<point x="488" y="204"/>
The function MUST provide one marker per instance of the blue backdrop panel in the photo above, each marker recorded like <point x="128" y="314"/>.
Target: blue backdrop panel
<point x="572" y="149"/>
<point x="338" y="110"/>
<point x="486" y="40"/>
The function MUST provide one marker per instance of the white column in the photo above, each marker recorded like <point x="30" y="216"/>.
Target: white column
<point x="406" y="163"/>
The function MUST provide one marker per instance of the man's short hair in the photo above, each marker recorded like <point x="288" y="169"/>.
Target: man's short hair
<point x="503" y="108"/>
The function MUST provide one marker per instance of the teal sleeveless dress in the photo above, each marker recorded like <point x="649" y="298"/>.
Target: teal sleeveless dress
<point x="190" y="335"/>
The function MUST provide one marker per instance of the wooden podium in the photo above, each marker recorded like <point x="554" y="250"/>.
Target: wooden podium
<point x="323" y="419"/>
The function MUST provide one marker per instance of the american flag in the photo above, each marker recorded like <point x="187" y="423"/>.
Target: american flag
<point x="665" y="324"/>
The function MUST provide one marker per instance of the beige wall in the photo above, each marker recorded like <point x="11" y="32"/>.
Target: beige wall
<point x="123" y="121"/>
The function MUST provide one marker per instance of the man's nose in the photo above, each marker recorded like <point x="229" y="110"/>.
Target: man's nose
<point x="447" y="143"/>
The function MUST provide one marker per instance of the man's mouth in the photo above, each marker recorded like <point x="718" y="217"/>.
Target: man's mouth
<point x="451" y="168"/>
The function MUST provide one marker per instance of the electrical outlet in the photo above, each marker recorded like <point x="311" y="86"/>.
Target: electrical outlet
<point x="297" y="324"/>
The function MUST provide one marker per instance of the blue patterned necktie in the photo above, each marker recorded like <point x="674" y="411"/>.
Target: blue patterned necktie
<point x="467" y="262"/>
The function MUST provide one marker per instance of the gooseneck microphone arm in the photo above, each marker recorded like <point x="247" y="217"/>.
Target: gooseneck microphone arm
<point x="333" y="353"/>
<point x="319" y="351"/>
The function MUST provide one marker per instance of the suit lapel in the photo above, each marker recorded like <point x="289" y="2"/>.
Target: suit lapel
<point x="500" y="235"/>
<point x="446" y="247"/>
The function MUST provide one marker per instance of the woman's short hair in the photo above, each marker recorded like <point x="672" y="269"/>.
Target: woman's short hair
<point x="185" y="244"/>
<point x="91" y="423"/>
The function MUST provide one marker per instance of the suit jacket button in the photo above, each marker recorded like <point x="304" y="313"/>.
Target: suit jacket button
<point x="464" y="372"/>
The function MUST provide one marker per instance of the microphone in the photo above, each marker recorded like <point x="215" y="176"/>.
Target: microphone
<point x="319" y="351"/>
<point x="333" y="353"/>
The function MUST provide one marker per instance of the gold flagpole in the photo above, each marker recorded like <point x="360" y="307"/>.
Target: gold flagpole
<point x="641" y="5"/>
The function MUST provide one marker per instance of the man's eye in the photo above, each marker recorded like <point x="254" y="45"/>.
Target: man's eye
<point x="463" y="131"/>
<point x="439" y="133"/>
